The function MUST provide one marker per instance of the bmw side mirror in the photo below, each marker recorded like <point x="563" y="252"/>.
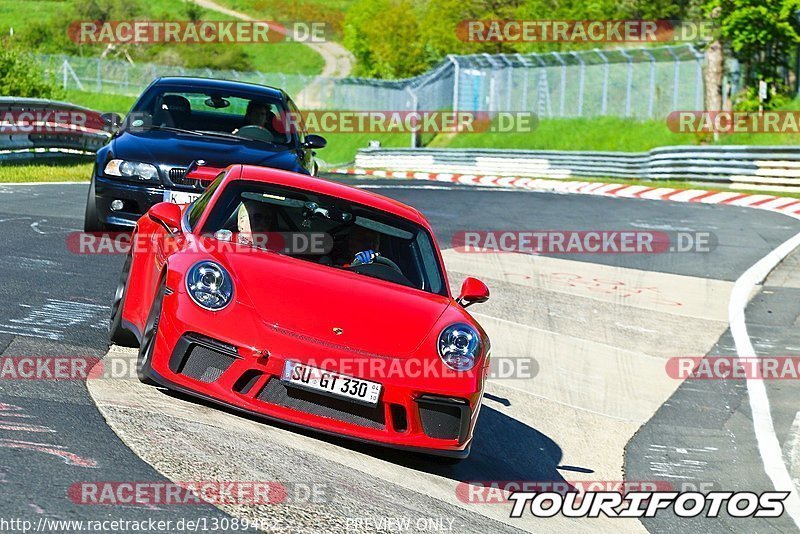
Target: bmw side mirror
<point x="473" y="291"/>
<point x="111" y="121"/>
<point x="314" y="141"/>
<point x="168" y="214"/>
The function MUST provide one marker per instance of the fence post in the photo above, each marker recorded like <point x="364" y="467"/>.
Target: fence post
<point x="629" y="82"/>
<point x="604" y="101"/>
<point x="676" y="78"/>
<point x="542" y="80"/>
<point x="414" y="107"/>
<point x="581" y="81"/>
<point x="563" y="82"/>
<point x="509" y="82"/>
<point x="68" y="71"/>
<point x="492" y="85"/>
<point x="698" y="78"/>
<point x="651" y="100"/>
<point x="456" y="74"/>
<point x="524" y="81"/>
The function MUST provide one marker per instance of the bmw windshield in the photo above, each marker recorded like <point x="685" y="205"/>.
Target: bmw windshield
<point x="221" y="114"/>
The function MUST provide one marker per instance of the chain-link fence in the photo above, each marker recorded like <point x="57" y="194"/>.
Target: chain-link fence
<point x="640" y="83"/>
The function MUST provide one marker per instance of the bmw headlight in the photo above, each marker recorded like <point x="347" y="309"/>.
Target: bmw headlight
<point x="459" y="346"/>
<point x="209" y="285"/>
<point x="131" y="169"/>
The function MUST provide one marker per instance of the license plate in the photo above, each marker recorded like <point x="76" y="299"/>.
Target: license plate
<point x="330" y="383"/>
<point x="179" y="197"/>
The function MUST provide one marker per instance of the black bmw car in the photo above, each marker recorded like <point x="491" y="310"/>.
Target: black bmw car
<point x="179" y="121"/>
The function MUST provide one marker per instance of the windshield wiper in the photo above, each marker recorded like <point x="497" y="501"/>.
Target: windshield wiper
<point x="173" y="129"/>
<point x="213" y="133"/>
<point x="220" y="134"/>
<point x="239" y="137"/>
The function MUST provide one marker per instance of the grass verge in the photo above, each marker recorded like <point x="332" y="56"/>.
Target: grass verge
<point x="42" y="27"/>
<point x="104" y="102"/>
<point x="603" y="134"/>
<point x="62" y="172"/>
<point x="342" y="147"/>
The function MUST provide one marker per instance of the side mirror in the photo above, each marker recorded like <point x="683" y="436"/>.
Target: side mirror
<point x="168" y="214"/>
<point x="315" y="141"/>
<point x="111" y="121"/>
<point x="473" y="291"/>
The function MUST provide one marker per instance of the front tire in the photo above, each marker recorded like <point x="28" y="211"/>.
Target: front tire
<point x="118" y="334"/>
<point x="144" y="364"/>
<point x="91" y="221"/>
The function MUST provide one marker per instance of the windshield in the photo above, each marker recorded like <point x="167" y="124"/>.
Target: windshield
<point x="240" y="116"/>
<point x="351" y="237"/>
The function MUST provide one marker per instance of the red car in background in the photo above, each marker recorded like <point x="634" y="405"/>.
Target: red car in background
<point x="306" y="301"/>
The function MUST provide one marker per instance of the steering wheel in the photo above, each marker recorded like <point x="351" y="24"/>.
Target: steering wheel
<point x="255" y="132"/>
<point x="383" y="260"/>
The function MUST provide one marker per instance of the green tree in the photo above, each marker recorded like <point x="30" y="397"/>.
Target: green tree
<point x="443" y="26"/>
<point x="192" y="11"/>
<point x="21" y="76"/>
<point x="105" y="10"/>
<point x="384" y="36"/>
<point x="761" y="34"/>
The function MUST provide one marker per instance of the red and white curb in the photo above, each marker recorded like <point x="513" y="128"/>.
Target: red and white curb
<point x="787" y="205"/>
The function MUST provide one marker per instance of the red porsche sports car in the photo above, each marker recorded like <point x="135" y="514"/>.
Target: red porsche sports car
<point x="306" y="301"/>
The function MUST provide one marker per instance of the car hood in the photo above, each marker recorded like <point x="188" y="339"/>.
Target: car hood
<point x="173" y="148"/>
<point x="305" y="300"/>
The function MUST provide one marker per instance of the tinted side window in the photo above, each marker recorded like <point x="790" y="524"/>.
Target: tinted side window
<point x="301" y="130"/>
<point x="199" y="205"/>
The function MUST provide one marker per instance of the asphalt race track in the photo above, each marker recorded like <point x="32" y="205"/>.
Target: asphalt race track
<point x="600" y="328"/>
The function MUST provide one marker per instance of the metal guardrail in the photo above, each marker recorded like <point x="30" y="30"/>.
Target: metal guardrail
<point x="773" y="166"/>
<point x="34" y="129"/>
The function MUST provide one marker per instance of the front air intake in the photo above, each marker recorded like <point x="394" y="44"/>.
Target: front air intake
<point x="444" y="417"/>
<point x="276" y="392"/>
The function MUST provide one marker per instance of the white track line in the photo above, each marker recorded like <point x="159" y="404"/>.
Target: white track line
<point x="768" y="444"/>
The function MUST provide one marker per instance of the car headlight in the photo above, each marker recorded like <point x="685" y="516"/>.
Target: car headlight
<point x="209" y="285"/>
<point x="131" y="169"/>
<point x="459" y="346"/>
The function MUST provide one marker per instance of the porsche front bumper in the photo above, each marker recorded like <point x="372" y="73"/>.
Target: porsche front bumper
<point x="431" y="416"/>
